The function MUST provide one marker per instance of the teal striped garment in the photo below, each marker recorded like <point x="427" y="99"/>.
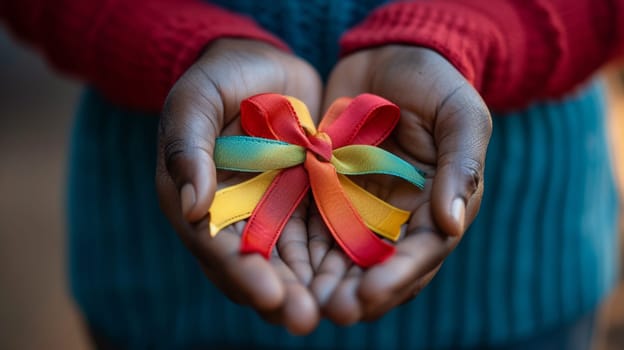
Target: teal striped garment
<point x="541" y="254"/>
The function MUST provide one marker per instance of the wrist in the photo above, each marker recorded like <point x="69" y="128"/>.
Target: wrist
<point x="465" y="37"/>
<point x="242" y="45"/>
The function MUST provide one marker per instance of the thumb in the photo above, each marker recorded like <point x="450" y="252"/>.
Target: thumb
<point x="462" y="132"/>
<point x="187" y="133"/>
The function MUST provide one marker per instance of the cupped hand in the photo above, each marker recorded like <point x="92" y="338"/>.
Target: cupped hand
<point x="204" y="104"/>
<point x="444" y="130"/>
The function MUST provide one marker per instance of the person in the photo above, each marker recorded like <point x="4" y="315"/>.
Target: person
<point x="531" y="269"/>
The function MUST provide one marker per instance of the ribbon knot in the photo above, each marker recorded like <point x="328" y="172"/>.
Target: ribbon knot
<point x="293" y="156"/>
<point x="321" y="146"/>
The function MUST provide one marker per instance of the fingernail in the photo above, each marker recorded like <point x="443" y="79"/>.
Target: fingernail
<point x="458" y="211"/>
<point x="187" y="197"/>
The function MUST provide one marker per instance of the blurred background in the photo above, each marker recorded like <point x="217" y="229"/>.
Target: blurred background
<point x="36" y="108"/>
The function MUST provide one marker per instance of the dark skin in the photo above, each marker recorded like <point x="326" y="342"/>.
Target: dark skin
<point x="202" y="105"/>
<point x="444" y="130"/>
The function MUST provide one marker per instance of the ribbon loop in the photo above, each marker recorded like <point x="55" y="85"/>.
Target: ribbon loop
<point x="272" y="116"/>
<point x="365" y="120"/>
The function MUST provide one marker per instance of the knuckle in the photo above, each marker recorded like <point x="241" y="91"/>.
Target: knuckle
<point x="174" y="150"/>
<point x="471" y="173"/>
<point x="485" y="120"/>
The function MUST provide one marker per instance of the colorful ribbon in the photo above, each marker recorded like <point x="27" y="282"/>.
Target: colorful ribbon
<point x="293" y="156"/>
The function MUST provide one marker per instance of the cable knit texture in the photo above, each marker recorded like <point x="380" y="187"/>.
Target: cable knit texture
<point x="513" y="51"/>
<point x="133" y="51"/>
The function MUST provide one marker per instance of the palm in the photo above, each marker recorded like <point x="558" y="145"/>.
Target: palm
<point x="429" y="102"/>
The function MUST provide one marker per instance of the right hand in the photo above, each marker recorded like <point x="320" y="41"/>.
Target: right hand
<point x="444" y="130"/>
<point x="203" y="104"/>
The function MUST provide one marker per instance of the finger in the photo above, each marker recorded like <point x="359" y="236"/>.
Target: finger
<point x="292" y="245"/>
<point x="372" y="312"/>
<point x="320" y="240"/>
<point x="187" y="132"/>
<point x="344" y="307"/>
<point x="248" y="279"/>
<point x="299" y="312"/>
<point x="417" y="254"/>
<point x="330" y="273"/>
<point x="462" y="132"/>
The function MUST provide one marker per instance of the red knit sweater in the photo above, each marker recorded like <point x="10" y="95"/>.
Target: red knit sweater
<point x="513" y="51"/>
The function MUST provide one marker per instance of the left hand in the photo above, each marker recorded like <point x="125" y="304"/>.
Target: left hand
<point x="444" y="130"/>
<point x="204" y="104"/>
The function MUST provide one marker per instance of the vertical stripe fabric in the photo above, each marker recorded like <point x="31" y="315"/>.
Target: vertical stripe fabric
<point x="541" y="253"/>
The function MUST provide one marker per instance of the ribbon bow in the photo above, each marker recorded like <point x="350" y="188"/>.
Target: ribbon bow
<point x="293" y="156"/>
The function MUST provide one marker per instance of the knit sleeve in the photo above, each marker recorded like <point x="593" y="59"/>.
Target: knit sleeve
<point x="132" y="51"/>
<point x="513" y="51"/>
